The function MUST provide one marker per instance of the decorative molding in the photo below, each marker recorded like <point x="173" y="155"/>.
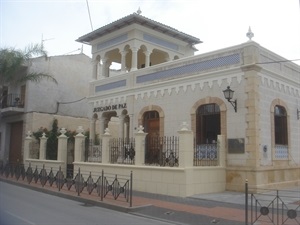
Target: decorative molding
<point x="112" y="41"/>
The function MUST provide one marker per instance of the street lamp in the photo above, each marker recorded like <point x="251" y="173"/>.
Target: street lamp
<point x="228" y="94"/>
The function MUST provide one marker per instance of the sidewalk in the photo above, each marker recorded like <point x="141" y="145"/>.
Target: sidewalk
<point x="227" y="208"/>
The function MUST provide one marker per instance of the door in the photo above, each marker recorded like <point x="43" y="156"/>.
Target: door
<point x="151" y="125"/>
<point x="15" y="147"/>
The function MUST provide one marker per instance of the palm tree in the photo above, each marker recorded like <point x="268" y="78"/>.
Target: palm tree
<point x="14" y="64"/>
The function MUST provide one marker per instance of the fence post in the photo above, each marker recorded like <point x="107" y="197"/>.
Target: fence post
<point x="186" y="146"/>
<point x="246" y="202"/>
<point x="79" y="150"/>
<point x="140" y="146"/>
<point x="27" y="142"/>
<point x="43" y="141"/>
<point x="105" y="146"/>
<point x="102" y="184"/>
<point x="131" y="181"/>
<point x="62" y="149"/>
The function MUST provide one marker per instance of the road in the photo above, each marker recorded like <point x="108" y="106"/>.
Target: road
<point x="22" y="206"/>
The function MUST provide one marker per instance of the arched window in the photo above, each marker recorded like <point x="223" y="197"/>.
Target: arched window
<point x="207" y="124"/>
<point x="280" y="125"/>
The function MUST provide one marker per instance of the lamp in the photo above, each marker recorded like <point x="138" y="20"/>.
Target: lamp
<point x="228" y="94"/>
<point x="298" y="114"/>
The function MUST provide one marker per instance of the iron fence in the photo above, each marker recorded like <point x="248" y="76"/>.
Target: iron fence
<point x="162" y="151"/>
<point x="272" y="207"/>
<point x="122" y="150"/>
<point x="103" y="185"/>
<point x="93" y="153"/>
<point x="206" y="154"/>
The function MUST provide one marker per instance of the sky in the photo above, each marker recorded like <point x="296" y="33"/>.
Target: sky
<point x="217" y="23"/>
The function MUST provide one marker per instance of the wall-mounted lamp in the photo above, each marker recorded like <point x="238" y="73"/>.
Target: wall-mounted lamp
<point x="298" y="114"/>
<point x="228" y="94"/>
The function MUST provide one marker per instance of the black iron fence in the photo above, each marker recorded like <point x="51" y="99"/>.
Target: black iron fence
<point x="103" y="185"/>
<point x="272" y="207"/>
<point x="206" y="154"/>
<point x="122" y="150"/>
<point x="93" y="153"/>
<point x="162" y="151"/>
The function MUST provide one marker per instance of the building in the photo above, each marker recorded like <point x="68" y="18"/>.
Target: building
<point x="159" y="83"/>
<point x="29" y="106"/>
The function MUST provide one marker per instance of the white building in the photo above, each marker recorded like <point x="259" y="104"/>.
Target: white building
<point x="160" y="84"/>
<point x="29" y="106"/>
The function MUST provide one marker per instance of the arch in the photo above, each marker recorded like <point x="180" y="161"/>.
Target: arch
<point x="160" y="113"/>
<point x="205" y="101"/>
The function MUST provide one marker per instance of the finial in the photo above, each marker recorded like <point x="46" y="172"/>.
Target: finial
<point x="139" y="11"/>
<point x="250" y="34"/>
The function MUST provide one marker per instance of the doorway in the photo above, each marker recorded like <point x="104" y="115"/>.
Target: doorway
<point x="15" y="145"/>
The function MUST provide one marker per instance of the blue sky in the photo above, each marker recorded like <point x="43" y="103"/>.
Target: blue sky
<point x="218" y="23"/>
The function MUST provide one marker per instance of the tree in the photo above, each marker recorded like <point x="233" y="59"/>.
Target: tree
<point x="14" y="64"/>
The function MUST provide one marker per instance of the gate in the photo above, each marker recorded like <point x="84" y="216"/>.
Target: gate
<point x="272" y="207"/>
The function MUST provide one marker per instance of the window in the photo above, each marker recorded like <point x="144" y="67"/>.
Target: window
<point x="207" y="124"/>
<point x="280" y="125"/>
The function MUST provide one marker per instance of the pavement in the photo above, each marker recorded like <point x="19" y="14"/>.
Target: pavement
<point x="226" y="208"/>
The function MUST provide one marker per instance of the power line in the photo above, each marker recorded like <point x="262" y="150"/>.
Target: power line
<point x="89" y="14"/>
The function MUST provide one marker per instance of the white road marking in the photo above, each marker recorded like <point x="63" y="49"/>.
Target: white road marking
<point x="20" y="218"/>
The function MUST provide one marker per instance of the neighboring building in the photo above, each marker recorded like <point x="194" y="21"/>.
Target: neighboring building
<point x="160" y="83"/>
<point x="29" y="106"/>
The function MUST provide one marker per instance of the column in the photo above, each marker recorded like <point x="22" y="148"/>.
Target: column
<point x="123" y="60"/>
<point x="121" y="126"/>
<point x="130" y="125"/>
<point x="147" y="57"/>
<point x="101" y="125"/>
<point x="185" y="146"/>
<point x="27" y="142"/>
<point x="104" y="61"/>
<point x="43" y="142"/>
<point x="140" y="146"/>
<point x="134" y="58"/>
<point x="62" y="146"/>
<point x="95" y="69"/>
<point x="221" y="150"/>
<point x="105" y="146"/>
<point x="79" y="148"/>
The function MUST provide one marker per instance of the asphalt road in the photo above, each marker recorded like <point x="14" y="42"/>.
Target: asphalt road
<point x="22" y="206"/>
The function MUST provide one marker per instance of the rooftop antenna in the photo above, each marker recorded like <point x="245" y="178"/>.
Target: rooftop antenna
<point x="43" y="40"/>
<point x="87" y="3"/>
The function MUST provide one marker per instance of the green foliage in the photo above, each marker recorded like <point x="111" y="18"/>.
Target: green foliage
<point x="13" y="65"/>
<point x="52" y="142"/>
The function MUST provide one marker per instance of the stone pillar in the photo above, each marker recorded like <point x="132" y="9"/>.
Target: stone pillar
<point x="130" y="125"/>
<point x="95" y="69"/>
<point x="104" y="61"/>
<point x="221" y="150"/>
<point x="79" y="151"/>
<point x="147" y="57"/>
<point x="27" y="142"/>
<point x="134" y="59"/>
<point x="123" y="60"/>
<point x="62" y="146"/>
<point x="186" y="146"/>
<point x="43" y="143"/>
<point x="101" y="126"/>
<point x="140" y="146"/>
<point x="105" y="146"/>
<point x="121" y="126"/>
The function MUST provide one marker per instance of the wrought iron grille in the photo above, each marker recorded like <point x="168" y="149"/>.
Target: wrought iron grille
<point x="102" y="185"/>
<point x="94" y="152"/>
<point x="162" y="151"/>
<point x="206" y="155"/>
<point x="122" y="150"/>
<point x="272" y="207"/>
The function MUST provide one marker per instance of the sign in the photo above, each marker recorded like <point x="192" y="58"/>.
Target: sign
<point x="110" y="107"/>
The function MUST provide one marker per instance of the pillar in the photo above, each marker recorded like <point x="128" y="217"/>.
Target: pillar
<point x="186" y="146"/>
<point x="121" y="126"/>
<point x="27" y="142"/>
<point x="134" y="59"/>
<point x="130" y="125"/>
<point x="79" y="151"/>
<point x="101" y="125"/>
<point x="62" y="146"/>
<point x="43" y="142"/>
<point x="140" y="146"/>
<point x="105" y="146"/>
<point x="147" y="57"/>
<point x="104" y="61"/>
<point x="221" y="150"/>
<point x="123" y="60"/>
<point x="95" y="69"/>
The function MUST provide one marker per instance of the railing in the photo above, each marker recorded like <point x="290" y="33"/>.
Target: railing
<point x="12" y="100"/>
<point x="104" y="185"/>
<point x="274" y="207"/>
<point x="206" y="155"/>
<point x="94" y="152"/>
<point x="122" y="150"/>
<point x="162" y="151"/>
<point x="281" y="152"/>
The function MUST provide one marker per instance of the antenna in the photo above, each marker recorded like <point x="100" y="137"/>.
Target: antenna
<point x="43" y="40"/>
